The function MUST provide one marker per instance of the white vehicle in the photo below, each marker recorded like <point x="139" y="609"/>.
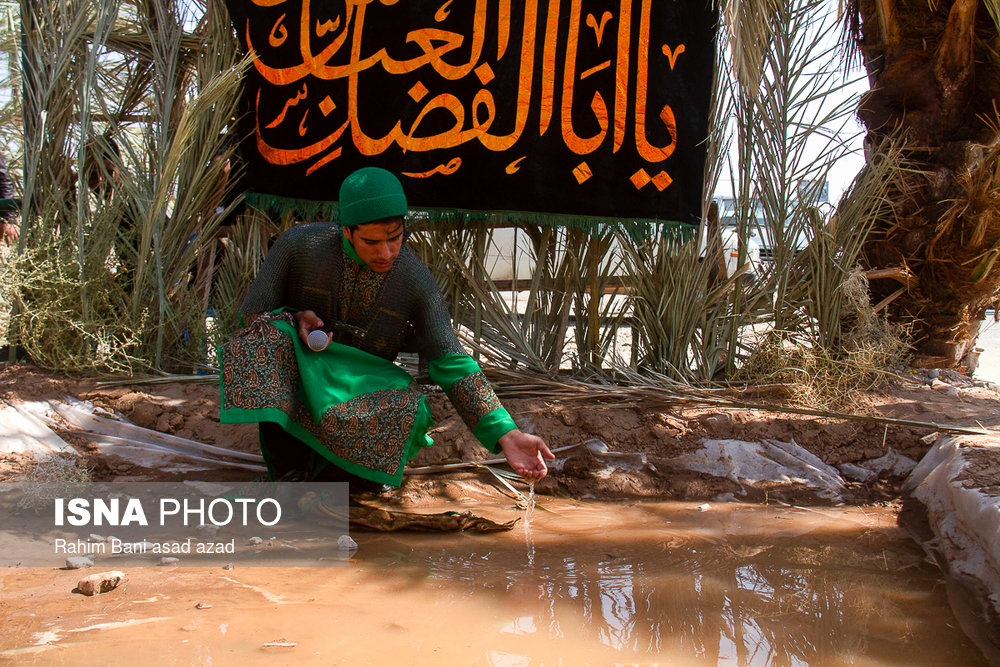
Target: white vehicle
<point x="731" y="254"/>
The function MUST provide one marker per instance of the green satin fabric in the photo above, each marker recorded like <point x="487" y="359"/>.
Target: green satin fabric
<point x="328" y="379"/>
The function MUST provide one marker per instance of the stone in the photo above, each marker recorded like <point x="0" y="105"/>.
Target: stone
<point x="256" y="540"/>
<point x="207" y="530"/>
<point x="596" y="446"/>
<point x="76" y="562"/>
<point x="102" y="582"/>
<point x="569" y="418"/>
<point x="346" y="542"/>
<point x="169" y="560"/>
<point x="717" y="421"/>
<point x="227" y="566"/>
<point x="856" y="473"/>
<point x="203" y="605"/>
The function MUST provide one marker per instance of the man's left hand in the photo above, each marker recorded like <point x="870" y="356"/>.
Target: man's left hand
<point x="526" y="453"/>
<point x="9" y="231"/>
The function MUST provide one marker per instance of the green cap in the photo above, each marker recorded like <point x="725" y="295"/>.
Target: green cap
<point x="370" y="194"/>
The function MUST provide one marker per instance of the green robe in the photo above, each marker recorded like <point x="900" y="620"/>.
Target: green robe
<point x="350" y="403"/>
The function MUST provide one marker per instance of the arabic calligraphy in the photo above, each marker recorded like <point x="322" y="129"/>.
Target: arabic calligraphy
<point x="485" y="74"/>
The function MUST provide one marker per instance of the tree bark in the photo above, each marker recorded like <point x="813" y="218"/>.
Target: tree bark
<point x="935" y="88"/>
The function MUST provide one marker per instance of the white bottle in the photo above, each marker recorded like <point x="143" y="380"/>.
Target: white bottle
<point x="317" y="340"/>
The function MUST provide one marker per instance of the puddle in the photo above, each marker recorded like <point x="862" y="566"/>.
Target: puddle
<point x="599" y="583"/>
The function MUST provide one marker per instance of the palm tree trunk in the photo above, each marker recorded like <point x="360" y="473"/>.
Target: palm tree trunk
<point x="935" y="85"/>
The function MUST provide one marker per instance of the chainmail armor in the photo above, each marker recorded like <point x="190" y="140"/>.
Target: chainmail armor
<point x="382" y="314"/>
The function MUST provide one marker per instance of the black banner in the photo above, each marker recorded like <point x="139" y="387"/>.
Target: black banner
<point x="572" y="107"/>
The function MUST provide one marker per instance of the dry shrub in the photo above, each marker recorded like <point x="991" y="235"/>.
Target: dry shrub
<point x="51" y="478"/>
<point x="832" y="378"/>
<point x="55" y="326"/>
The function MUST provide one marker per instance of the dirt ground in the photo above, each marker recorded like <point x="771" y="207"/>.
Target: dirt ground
<point x="651" y="436"/>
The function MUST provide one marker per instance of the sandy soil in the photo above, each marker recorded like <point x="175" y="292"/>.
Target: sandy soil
<point x="190" y="410"/>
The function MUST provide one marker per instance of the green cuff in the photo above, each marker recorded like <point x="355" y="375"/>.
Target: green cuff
<point x="492" y="427"/>
<point x="448" y="369"/>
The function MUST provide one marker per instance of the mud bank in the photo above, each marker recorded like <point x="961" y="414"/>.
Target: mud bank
<point x="951" y="506"/>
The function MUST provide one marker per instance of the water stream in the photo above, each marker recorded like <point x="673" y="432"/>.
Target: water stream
<point x="645" y="583"/>
<point x="529" y="509"/>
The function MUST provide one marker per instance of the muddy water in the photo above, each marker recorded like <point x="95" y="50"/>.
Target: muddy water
<point x="600" y="584"/>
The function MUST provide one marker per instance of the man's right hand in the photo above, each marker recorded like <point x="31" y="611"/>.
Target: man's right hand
<point x="307" y="321"/>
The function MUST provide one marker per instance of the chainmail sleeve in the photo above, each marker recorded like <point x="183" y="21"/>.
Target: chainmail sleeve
<point x="455" y="371"/>
<point x="267" y="291"/>
<point x="301" y="271"/>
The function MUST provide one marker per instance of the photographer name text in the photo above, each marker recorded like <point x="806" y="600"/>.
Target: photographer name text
<point x="114" y="546"/>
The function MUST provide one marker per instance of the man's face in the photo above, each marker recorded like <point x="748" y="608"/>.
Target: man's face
<point x="378" y="243"/>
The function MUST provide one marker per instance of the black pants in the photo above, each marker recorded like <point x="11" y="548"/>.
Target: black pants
<point x="290" y="459"/>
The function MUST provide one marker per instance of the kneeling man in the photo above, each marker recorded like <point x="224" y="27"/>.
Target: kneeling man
<point x="348" y="407"/>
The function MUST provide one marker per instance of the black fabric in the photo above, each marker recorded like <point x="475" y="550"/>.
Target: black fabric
<point x="480" y="111"/>
<point x="289" y="459"/>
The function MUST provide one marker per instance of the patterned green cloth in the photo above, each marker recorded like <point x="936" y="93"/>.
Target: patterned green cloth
<point x="326" y="399"/>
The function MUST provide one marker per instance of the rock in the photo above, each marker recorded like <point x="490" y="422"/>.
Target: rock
<point x="724" y="498"/>
<point x="207" y="530"/>
<point x="704" y="507"/>
<point x="169" y="560"/>
<point x="569" y="418"/>
<point x="346" y="542"/>
<point x="255" y="540"/>
<point x="227" y="566"/>
<point x="717" y="421"/>
<point x="76" y="562"/>
<point x="202" y="605"/>
<point x="855" y="473"/>
<point x="102" y="582"/>
<point x="953" y="392"/>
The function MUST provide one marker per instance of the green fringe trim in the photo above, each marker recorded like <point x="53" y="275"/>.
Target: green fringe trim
<point x="422" y="218"/>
